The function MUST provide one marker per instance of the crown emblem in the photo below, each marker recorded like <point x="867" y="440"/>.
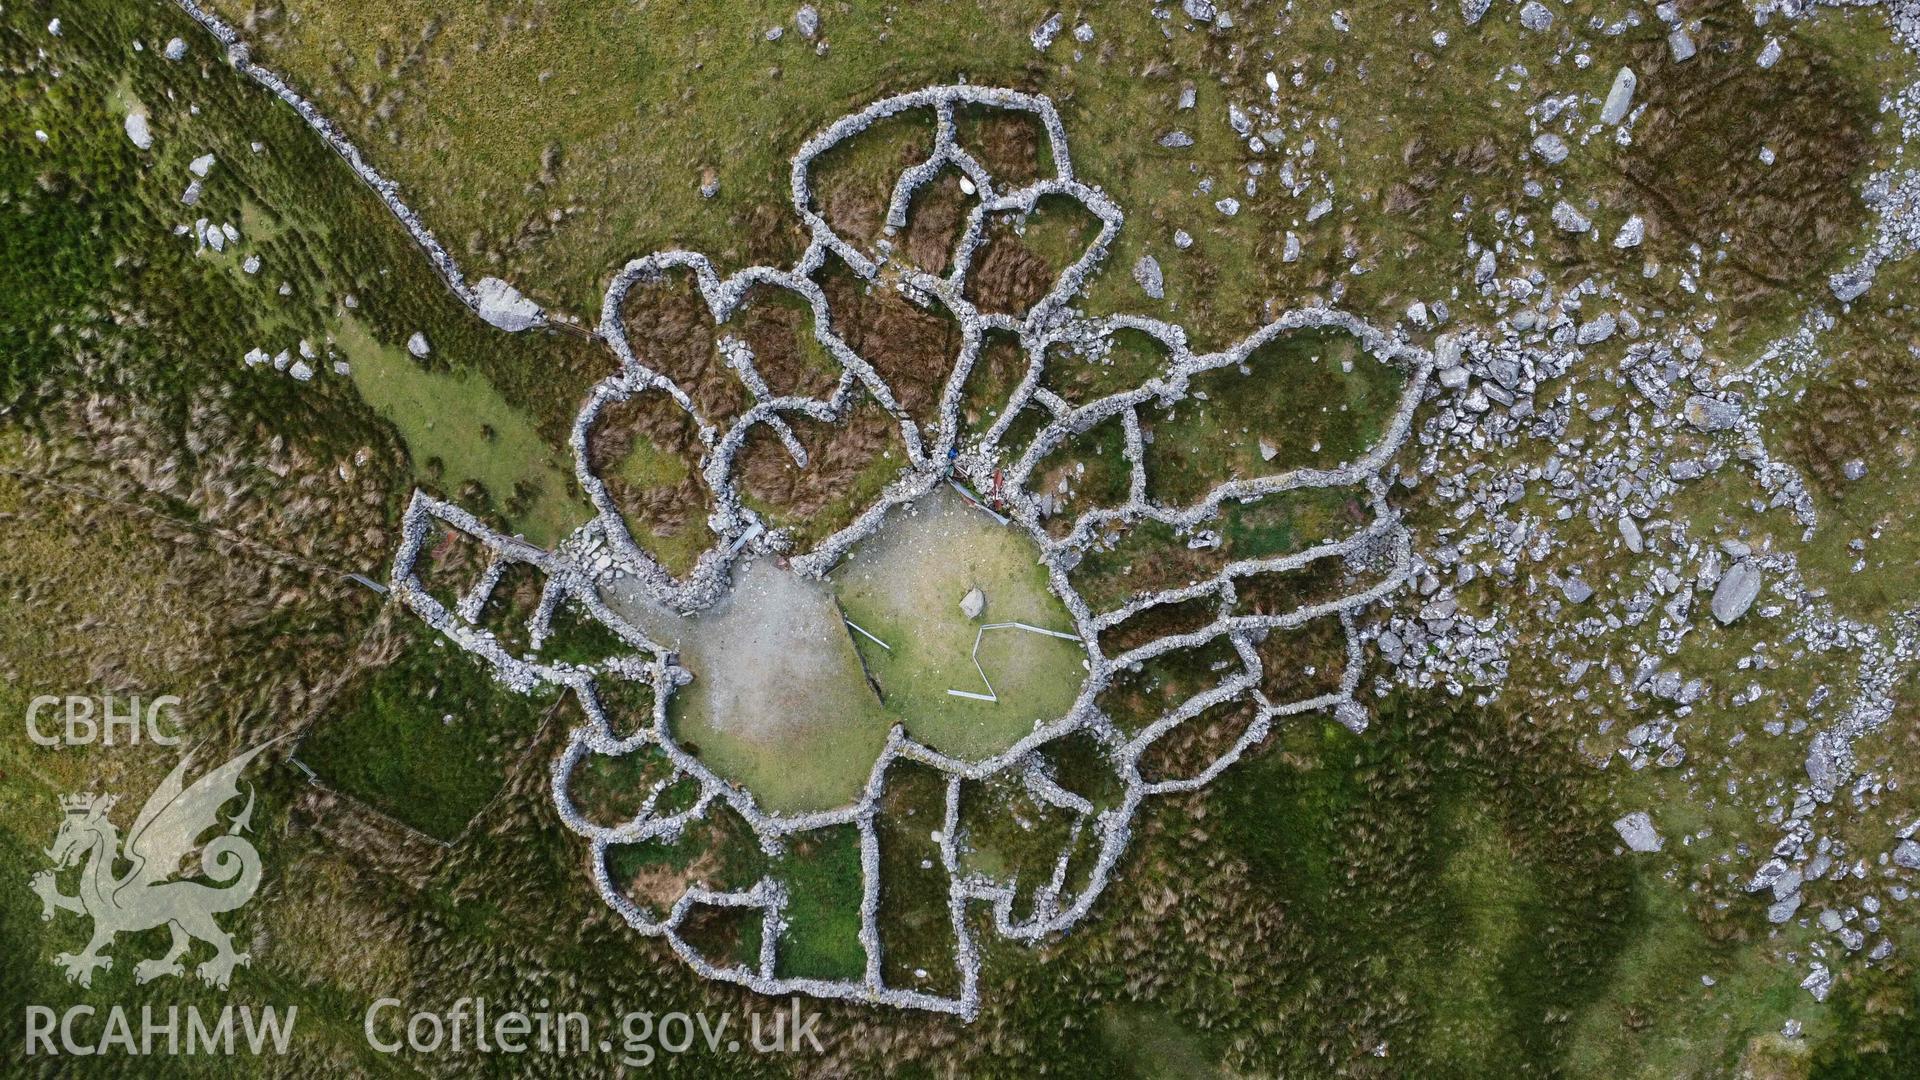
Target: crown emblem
<point x="82" y="804"/>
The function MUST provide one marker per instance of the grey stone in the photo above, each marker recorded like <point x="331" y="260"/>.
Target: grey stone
<point x="1147" y="273"/>
<point x="1176" y="140"/>
<point x="1712" y="414"/>
<point x="1575" y="590"/>
<point x="1620" y="98"/>
<point x="1474" y="10"/>
<point x="1637" y="832"/>
<point x="1550" y="148"/>
<point x="807" y="21"/>
<point x="1630" y="532"/>
<point x="503" y="306"/>
<point x="1854" y="469"/>
<point x="1198" y="10"/>
<point x="972" y="604"/>
<point x="1781" y="910"/>
<point x="1907" y="854"/>
<point x="1534" y="16"/>
<point x="417" y="344"/>
<point x="1736" y="592"/>
<point x="1595" y="331"/>
<point x="1681" y="44"/>
<point x="1631" y="233"/>
<point x="1569" y="219"/>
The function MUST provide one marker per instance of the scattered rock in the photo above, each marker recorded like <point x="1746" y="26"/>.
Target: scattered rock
<point x="503" y="306"/>
<point x="1043" y="35"/>
<point x="1595" y="331"/>
<point x="1907" y="854"/>
<point x="176" y="49"/>
<point x="1176" y="140"/>
<point x="1568" y="219"/>
<point x="1681" y="43"/>
<point x="417" y="344"/>
<point x="1576" y="590"/>
<point x="1632" y="232"/>
<point x="1267" y="450"/>
<point x="1736" y="592"/>
<point x="1711" y="413"/>
<point x="1637" y="832"/>
<point x="1550" y="148"/>
<point x="972" y="604"/>
<point x="1535" y="16"/>
<point x="1630" y="532"/>
<point x="1147" y="272"/>
<point x="807" y="21"/>
<point x="201" y="165"/>
<point x="1620" y="97"/>
<point x="138" y="131"/>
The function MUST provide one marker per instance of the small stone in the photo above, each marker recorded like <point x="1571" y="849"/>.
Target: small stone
<point x="1631" y="233"/>
<point x="301" y="371"/>
<point x="1576" y="590"/>
<point x="201" y="165"/>
<point x="1182" y="239"/>
<point x="1291" y="251"/>
<point x="1620" y="97"/>
<point x="1781" y="910"/>
<point x="138" y="131"/>
<point x="1568" y="219"/>
<point x="1907" y="854"/>
<point x="1736" y="592"/>
<point x="1474" y="10"/>
<point x="1534" y="16"/>
<point x="1146" y="272"/>
<point x="1595" y="331"/>
<point x="709" y="182"/>
<point x="1819" y="982"/>
<point x="1630" y="532"/>
<point x="1176" y="140"/>
<point x="1228" y="206"/>
<point x="1681" y="44"/>
<point x="417" y="344"/>
<point x="972" y="604"/>
<point x="1267" y="450"/>
<point x="503" y="306"/>
<point x="807" y="21"/>
<point x="1043" y="35"/>
<point x="1712" y="414"/>
<point x="251" y="264"/>
<point x="1198" y="10"/>
<point x="775" y="33"/>
<point x="1637" y="832"/>
<point x="1769" y="53"/>
<point x="176" y="49"/>
<point x="1854" y="469"/>
<point x="1550" y="148"/>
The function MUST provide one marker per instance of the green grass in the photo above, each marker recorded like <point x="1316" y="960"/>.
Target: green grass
<point x="458" y="419"/>
<point x="389" y="740"/>
<point x="822" y="876"/>
<point x="904" y="585"/>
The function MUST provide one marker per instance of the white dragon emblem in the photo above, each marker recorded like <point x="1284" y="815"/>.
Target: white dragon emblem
<point x="164" y="834"/>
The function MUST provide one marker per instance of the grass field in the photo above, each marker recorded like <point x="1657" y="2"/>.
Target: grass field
<point x="425" y="736"/>
<point x="905" y="584"/>
<point x="459" y="429"/>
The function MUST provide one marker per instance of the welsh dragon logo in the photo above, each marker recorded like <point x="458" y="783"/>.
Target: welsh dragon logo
<point x="148" y="894"/>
